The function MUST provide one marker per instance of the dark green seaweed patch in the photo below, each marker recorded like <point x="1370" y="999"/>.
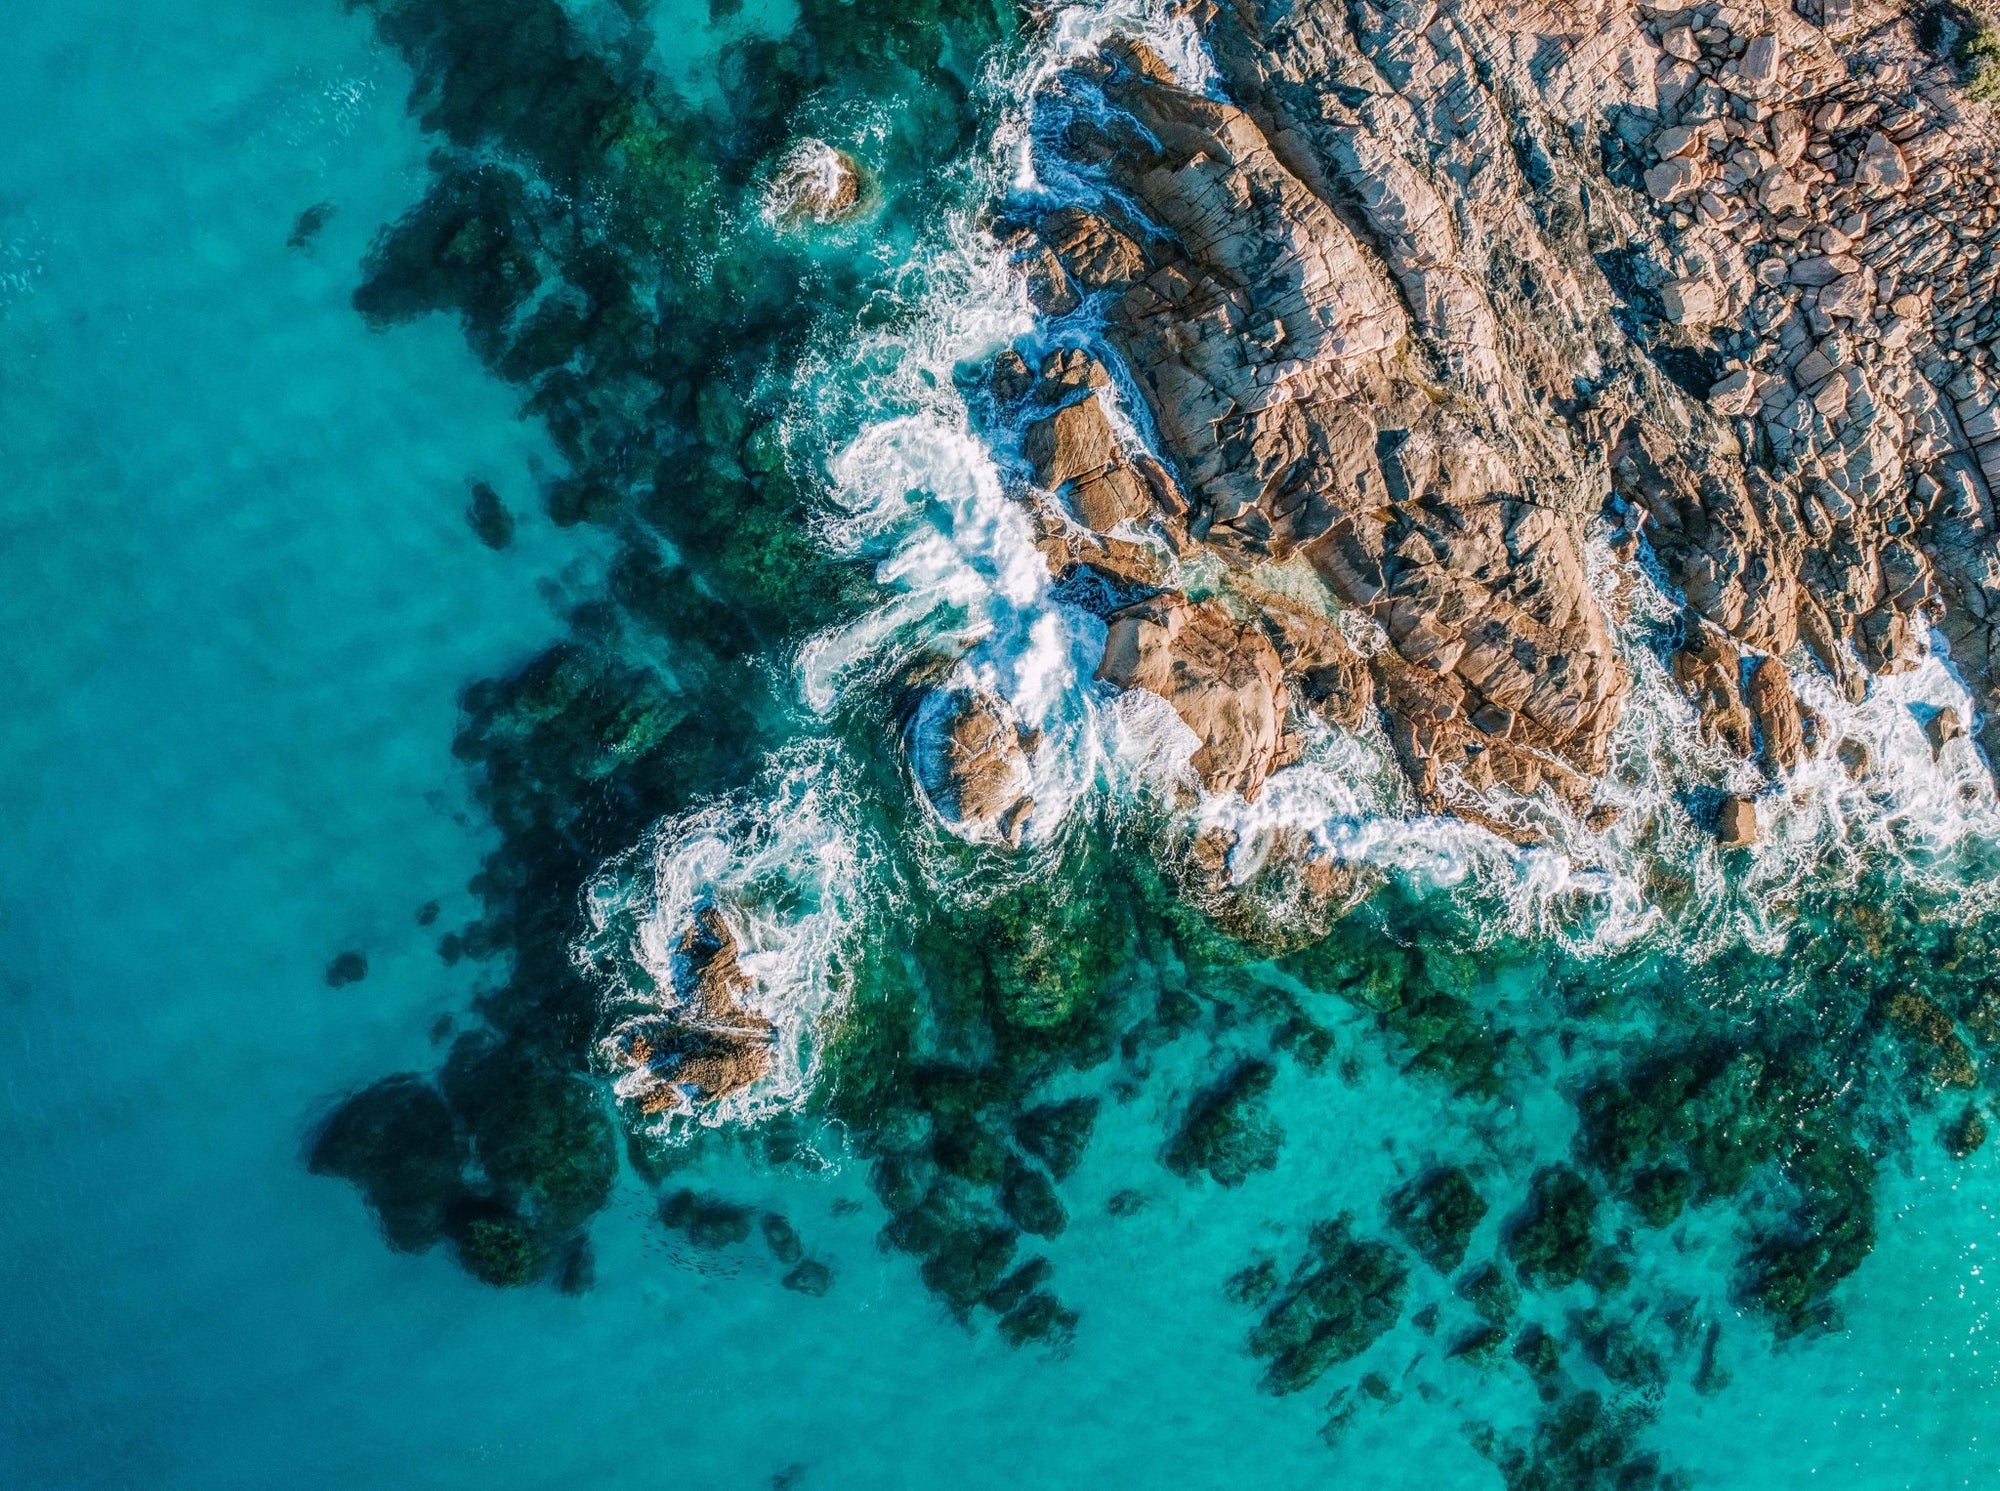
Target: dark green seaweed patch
<point x="1228" y="1130"/>
<point x="1436" y="1215"/>
<point x="1346" y="1293"/>
<point x="397" y="1142"/>
<point x="1551" y="1239"/>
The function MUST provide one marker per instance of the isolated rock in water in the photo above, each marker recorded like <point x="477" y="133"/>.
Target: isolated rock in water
<point x="1222" y="677"/>
<point x="813" y="183"/>
<point x="1942" y="728"/>
<point x="488" y="517"/>
<point x="709" y="1045"/>
<point x="349" y="967"/>
<point x="972" y="761"/>
<point x="1736" y="827"/>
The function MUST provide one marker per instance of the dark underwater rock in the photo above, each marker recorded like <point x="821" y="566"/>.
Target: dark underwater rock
<point x="709" y="1222"/>
<point x="541" y="1134"/>
<point x="397" y="1142"/>
<point x="1254" y="1284"/>
<point x="781" y="1237"/>
<point x="1031" y="1202"/>
<point x="1582" y="1444"/>
<point x="1348" y="1292"/>
<point x="1965" y="1134"/>
<point x="1794" y="1265"/>
<point x="350" y="967"/>
<point x="809" y="1277"/>
<point x="488" y="518"/>
<point x="496" y="1246"/>
<point x="1551" y="1239"/>
<point x="1227" y="1131"/>
<point x="1436" y="1214"/>
<point x="306" y="227"/>
<point x="1488" y="1290"/>
<point x="1039" y="1317"/>
<point x="968" y="1264"/>
<point x="1057" y="1134"/>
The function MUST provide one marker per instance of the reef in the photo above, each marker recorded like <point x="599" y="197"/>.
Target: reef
<point x="1447" y="317"/>
<point x="1343" y="1297"/>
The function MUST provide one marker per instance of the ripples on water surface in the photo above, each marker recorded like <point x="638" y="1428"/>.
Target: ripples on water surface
<point x="752" y="508"/>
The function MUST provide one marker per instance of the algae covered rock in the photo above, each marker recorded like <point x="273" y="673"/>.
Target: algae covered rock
<point x="1551" y="1239"/>
<point x="541" y="1134"/>
<point x="1227" y="1131"/>
<point x="1347" y="1293"/>
<point x="1058" y="1133"/>
<point x="397" y="1142"/>
<point x="1436" y="1215"/>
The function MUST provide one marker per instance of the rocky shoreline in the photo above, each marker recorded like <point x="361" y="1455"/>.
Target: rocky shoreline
<point x="1445" y="289"/>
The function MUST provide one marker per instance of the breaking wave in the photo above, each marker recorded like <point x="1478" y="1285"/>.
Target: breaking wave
<point x="913" y="486"/>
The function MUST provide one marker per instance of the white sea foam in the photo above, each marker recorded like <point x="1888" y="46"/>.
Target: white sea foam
<point x="787" y="865"/>
<point x="915" y="488"/>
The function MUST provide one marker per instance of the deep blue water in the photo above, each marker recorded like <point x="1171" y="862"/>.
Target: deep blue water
<point x="240" y="598"/>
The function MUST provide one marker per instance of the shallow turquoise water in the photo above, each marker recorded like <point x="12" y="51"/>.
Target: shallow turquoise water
<point x="241" y="598"/>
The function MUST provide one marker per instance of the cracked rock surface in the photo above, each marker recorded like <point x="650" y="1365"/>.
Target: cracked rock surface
<point x="1434" y="296"/>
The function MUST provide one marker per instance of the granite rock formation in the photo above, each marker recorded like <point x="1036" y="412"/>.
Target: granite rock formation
<point x="1422" y="293"/>
<point x="706" y="1043"/>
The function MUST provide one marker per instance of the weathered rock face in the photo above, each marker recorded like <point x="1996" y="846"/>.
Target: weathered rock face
<point x="709" y="1044"/>
<point x="1222" y="677"/>
<point x="1439" y="282"/>
<point x="976" y="770"/>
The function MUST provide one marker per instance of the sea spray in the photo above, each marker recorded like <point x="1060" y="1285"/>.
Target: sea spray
<point x="939" y="503"/>
<point x="786" y="865"/>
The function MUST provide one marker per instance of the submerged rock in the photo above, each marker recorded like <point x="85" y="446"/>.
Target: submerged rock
<point x="488" y="517"/>
<point x="1227" y="1131"/>
<point x="350" y="967"/>
<point x="1347" y="1294"/>
<point x="1436" y="1215"/>
<point x="1551" y="1240"/>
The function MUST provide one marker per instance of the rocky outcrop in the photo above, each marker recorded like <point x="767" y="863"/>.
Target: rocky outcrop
<point x="1221" y="675"/>
<point x="707" y="1044"/>
<point x="816" y="184"/>
<point x="1436" y="287"/>
<point x="974" y="765"/>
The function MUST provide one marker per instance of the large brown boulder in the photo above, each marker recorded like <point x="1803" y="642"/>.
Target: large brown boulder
<point x="1221" y="675"/>
<point x="973" y="763"/>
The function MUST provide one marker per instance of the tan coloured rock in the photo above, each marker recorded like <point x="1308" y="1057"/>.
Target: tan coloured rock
<point x="976" y="768"/>
<point x="1775" y="709"/>
<point x="1737" y="827"/>
<point x="708" y="1044"/>
<point x="1222" y="677"/>
<point x="1355" y="310"/>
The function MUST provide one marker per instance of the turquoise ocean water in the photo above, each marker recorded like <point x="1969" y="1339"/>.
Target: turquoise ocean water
<point x="241" y="598"/>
